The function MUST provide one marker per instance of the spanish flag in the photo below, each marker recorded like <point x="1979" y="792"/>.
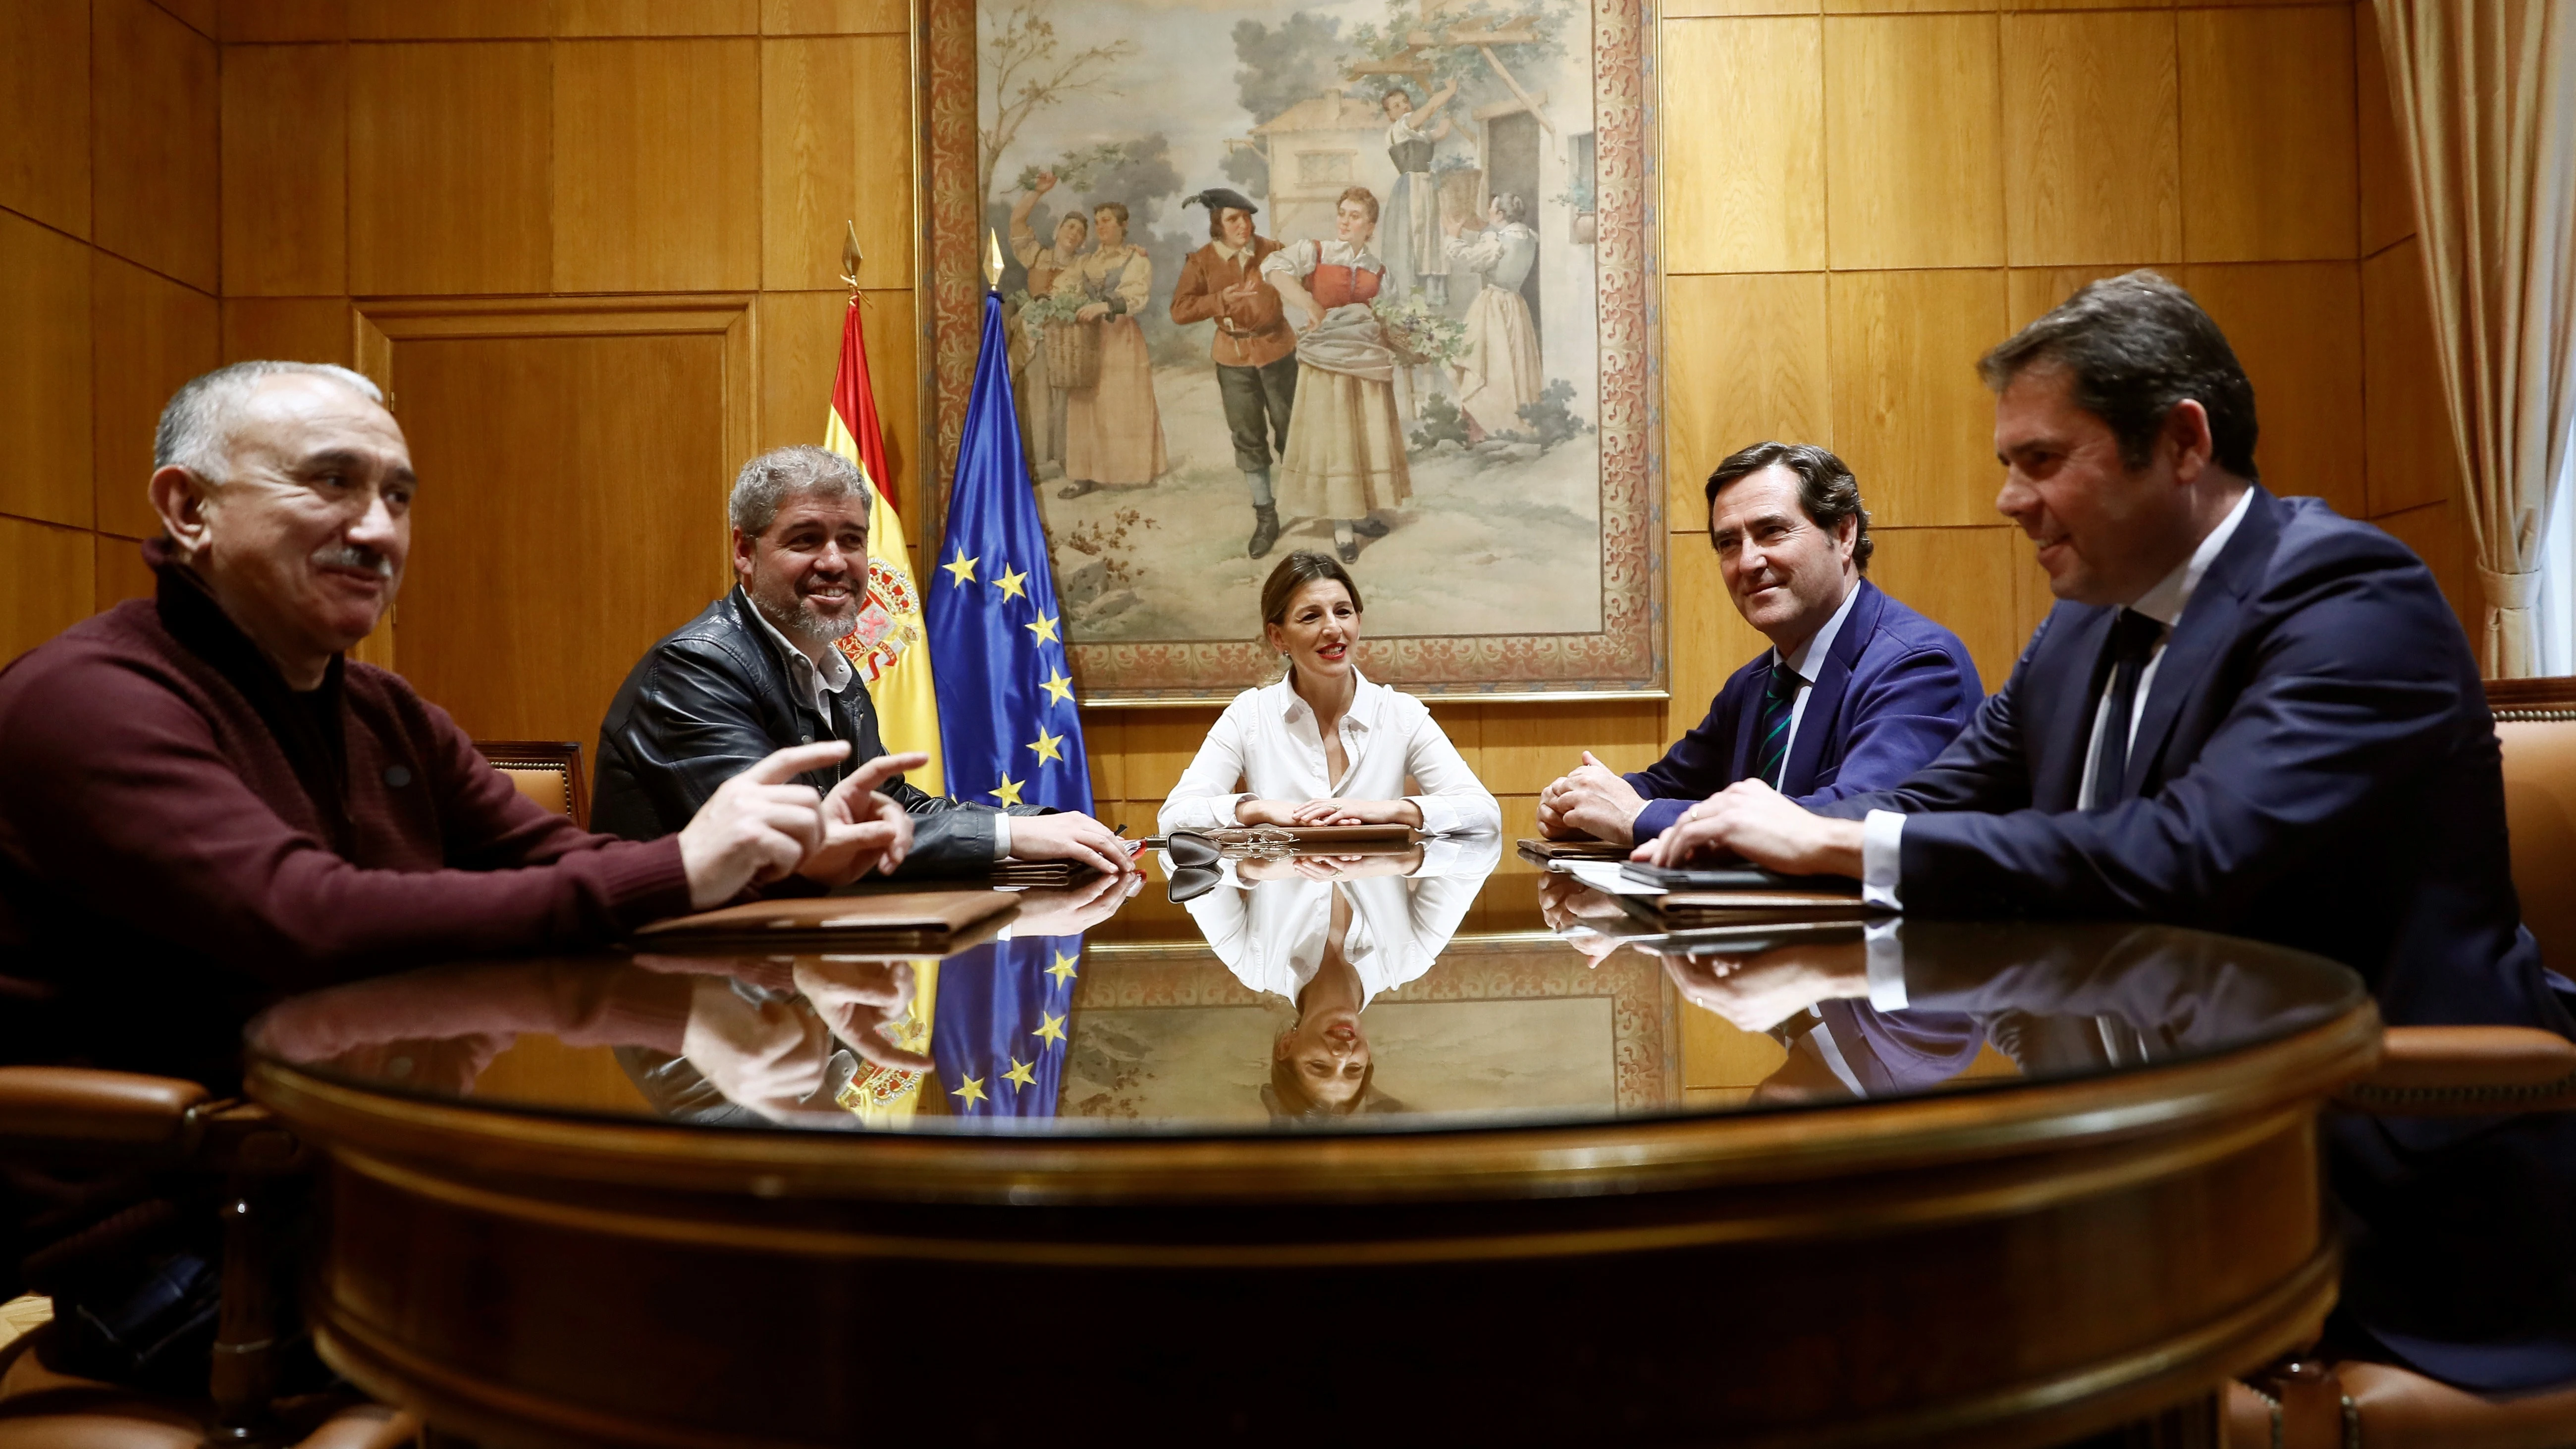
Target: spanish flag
<point x="889" y="648"/>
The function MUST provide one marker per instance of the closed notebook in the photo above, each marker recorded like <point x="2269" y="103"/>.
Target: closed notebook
<point x="1319" y="839"/>
<point x="933" y="922"/>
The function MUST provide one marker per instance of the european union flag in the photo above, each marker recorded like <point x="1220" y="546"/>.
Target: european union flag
<point x="1006" y="711"/>
<point x="999" y="1037"/>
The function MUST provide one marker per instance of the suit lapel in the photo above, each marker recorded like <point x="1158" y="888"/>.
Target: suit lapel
<point x="2207" y="626"/>
<point x="2061" y="698"/>
<point x="1825" y="697"/>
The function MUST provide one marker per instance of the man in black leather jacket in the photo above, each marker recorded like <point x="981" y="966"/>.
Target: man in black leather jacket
<point x="758" y="668"/>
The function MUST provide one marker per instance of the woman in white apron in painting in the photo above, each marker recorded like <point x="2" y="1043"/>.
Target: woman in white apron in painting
<point x="1345" y="453"/>
<point x="1498" y="370"/>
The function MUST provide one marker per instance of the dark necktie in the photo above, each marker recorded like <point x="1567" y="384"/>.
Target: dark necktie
<point x="1772" y="754"/>
<point x="2133" y="639"/>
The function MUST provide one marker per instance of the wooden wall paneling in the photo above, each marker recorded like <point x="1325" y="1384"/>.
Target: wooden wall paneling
<point x="120" y="571"/>
<point x="656" y="17"/>
<point x="1104" y="745"/>
<point x="800" y="343"/>
<point x="2413" y="453"/>
<point x="834" y="17"/>
<point x="2296" y="330"/>
<point x="285" y="170"/>
<point x="656" y="165"/>
<point x="1910" y="415"/>
<point x="287" y="329"/>
<point x="45" y="583"/>
<point x="1744" y="360"/>
<point x="2439" y="535"/>
<point x="2031" y="597"/>
<point x="1905" y="7"/>
<point x="44" y="112"/>
<point x="1527" y="745"/>
<point x="1962" y="578"/>
<point x="1743" y="169"/>
<point x="2033" y="291"/>
<point x="836" y="147"/>
<point x="1696" y="9"/>
<point x="449" y="19"/>
<point x="153" y="157"/>
<point x="151" y="335"/>
<point x="2013" y="5"/>
<point x="1160" y="744"/>
<point x="1710" y="639"/>
<point x="2092" y="139"/>
<point x="197" y="15"/>
<point x="1520" y="822"/>
<point x="1464" y="724"/>
<point x="1913" y="155"/>
<point x="44" y="373"/>
<point x="613" y="442"/>
<point x="242" y="22"/>
<point x="2268" y="168"/>
<point x="2387" y="180"/>
<point x="449" y="162"/>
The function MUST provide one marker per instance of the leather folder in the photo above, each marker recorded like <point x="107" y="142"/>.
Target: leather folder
<point x="926" y="923"/>
<point x="1543" y="851"/>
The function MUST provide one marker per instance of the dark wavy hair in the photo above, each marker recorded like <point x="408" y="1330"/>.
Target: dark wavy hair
<point x="2133" y="346"/>
<point x="1827" y="492"/>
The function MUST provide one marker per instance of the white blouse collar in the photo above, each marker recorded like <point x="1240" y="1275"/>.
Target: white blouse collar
<point x="1292" y="707"/>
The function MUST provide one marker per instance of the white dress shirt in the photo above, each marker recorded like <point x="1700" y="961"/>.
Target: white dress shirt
<point x="816" y="686"/>
<point x="1268" y="743"/>
<point x="1807" y="663"/>
<point x="1882" y="840"/>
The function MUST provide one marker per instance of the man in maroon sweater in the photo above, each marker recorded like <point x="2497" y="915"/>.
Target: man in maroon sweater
<point x="208" y="803"/>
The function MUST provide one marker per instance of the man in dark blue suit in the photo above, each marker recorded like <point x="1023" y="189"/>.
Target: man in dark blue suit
<point x="1856" y="692"/>
<point x="2251" y="715"/>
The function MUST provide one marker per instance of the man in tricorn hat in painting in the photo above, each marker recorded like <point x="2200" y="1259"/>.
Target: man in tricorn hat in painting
<point x="1254" y="350"/>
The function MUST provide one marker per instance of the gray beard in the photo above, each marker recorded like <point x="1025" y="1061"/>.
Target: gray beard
<point x="794" y="614"/>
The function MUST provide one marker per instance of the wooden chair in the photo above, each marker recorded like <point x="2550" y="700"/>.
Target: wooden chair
<point x="546" y="771"/>
<point x="76" y="1116"/>
<point x="2441" y="1070"/>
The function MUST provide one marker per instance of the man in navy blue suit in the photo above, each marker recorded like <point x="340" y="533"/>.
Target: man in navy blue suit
<point x="2251" y="715"/>
<point x="1855" y="693"/>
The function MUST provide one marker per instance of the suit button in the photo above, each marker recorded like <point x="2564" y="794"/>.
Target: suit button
<point x="804" y="739"/>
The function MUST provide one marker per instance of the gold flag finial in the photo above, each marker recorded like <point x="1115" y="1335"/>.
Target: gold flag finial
<point x="851" y="256"/>
<point x="992" y="260"/>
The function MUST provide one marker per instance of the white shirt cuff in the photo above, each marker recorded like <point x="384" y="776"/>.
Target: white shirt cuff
<point x="1886" y="963"/>
<point x="1882" y="847"/>
<point x="1001" y="835"/>
<point x="1439" y="816"/>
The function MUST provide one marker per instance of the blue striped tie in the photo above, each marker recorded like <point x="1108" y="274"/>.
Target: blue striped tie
<point x="1773" y="752"/>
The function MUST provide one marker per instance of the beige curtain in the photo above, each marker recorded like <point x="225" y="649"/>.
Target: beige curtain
<point x="2485" y="94"/>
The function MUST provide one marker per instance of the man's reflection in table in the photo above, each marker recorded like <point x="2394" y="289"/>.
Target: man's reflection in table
<point x="1329" y="933"/>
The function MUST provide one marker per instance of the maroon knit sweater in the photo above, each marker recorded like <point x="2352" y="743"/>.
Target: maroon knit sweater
<point x="182" y="837"/>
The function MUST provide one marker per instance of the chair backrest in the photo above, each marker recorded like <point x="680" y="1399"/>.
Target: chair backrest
<point x="2536" y="720"/>
<point x="546" y="771"/>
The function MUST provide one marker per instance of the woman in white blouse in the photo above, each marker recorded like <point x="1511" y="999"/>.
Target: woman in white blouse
<point x="1323" y="746"/>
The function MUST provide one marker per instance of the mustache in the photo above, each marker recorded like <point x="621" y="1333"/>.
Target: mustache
<point x="355" y="556"/>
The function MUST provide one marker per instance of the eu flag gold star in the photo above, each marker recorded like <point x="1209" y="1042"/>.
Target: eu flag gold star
<point x="1059" y="689"/>
<point x="1009" y="583"/>
<point x="972" y="1092"/>
<point x="1050" y="1028"/>
<point x="1062" y="970"/>
<point x="1049" y="747"/>
<point x="1044" y="628"/>
<point x="1019" y="1074"/>
<point x="961" y="568"/>
<point x="1009" y="794"/>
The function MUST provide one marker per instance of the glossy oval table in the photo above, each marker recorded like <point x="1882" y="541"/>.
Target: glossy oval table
<point x="1999" y="1185"/>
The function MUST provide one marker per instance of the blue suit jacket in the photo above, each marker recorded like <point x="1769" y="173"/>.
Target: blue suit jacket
<point x="1893" y="690"/>
<point x="2315" y="766"/>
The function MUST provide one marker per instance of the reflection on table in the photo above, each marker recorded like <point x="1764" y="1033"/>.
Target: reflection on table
<point x="1315" y="993"/>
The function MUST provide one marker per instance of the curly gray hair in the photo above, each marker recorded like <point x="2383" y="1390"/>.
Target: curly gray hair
<point x="766" y="483"/>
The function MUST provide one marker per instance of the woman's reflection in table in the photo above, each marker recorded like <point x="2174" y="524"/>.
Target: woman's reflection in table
<point x="1329" y="933"/>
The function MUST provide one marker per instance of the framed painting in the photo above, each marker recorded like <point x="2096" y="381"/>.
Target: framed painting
<point x="1368" y="277"/>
